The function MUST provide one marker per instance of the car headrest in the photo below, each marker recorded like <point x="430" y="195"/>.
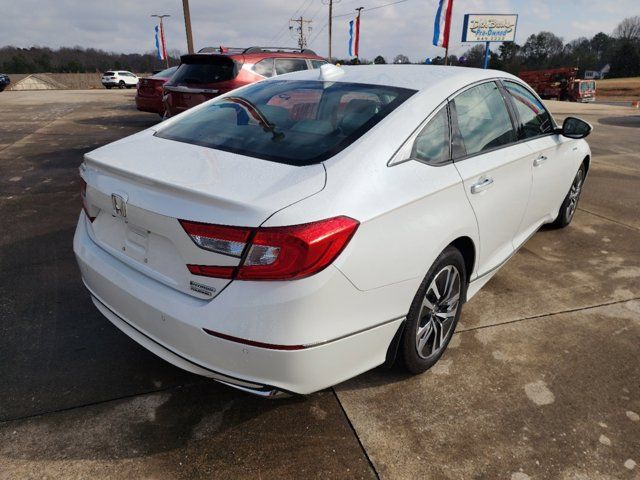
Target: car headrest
<point x="318" y="127"/>
<point x="276" y="115"/>
<point x="356" y="113"/>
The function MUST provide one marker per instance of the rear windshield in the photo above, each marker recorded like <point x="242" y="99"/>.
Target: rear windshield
<point x="166" y="73"/>
<point x="109" y="73"/>
<point x="292" y="122"/>
<point x="207" y="69"/>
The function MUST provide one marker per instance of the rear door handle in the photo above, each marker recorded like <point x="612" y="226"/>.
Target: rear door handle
<point x="539" y="161"/>
<point x="481" y="185"/>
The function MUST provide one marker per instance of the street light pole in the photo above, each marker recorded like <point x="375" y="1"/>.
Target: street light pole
<point x="164" y="44"/>
<point x="187" y="25"/>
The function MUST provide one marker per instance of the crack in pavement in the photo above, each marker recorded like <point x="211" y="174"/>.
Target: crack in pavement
<point x="550" y="314"/>
<point x="610" y="219"/>
<point x="355" y="434"/>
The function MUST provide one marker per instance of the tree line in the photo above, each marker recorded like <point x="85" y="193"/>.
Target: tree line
<point x="77" y="60"/>
<point x="620" y="50"/>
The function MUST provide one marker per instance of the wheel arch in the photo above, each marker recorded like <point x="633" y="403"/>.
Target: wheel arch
<point x="467" y="248"/>
<point x="587" y="163"/>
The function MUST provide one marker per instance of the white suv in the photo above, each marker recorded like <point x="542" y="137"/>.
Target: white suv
<point x="119" y="78"/>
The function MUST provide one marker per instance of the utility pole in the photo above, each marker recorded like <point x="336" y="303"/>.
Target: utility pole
<point x="164" y="44"/>
<point x="330" y="3"/>
<point x="187" y="25"/>
<point x="302" y="41"/>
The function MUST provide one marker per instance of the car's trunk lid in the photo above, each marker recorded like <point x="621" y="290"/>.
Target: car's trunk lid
<point x="160" y="181"/>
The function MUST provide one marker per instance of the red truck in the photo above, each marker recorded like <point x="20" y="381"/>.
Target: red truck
<point x="560" y="84"/>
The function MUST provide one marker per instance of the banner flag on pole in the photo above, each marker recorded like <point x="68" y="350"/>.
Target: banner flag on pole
<point x="357" y="41"/>
<point x="162" y="42"/>
<point x="159" y="44"/>
<point x="442" y="24"/>
<point x="351" y="38"/>
<point x="354" y="36"/>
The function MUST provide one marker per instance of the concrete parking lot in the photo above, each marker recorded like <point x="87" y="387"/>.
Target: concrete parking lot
<point x="541" y="380"/>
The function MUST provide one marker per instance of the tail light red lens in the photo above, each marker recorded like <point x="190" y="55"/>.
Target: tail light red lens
<point x="273" y="253"/>
<point x="83" y="197"/>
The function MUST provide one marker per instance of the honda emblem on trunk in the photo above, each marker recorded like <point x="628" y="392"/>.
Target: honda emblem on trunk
<point x="119" y="205"/>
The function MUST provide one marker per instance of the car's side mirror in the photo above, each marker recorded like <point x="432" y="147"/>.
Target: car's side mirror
<point x="575" y="128"/>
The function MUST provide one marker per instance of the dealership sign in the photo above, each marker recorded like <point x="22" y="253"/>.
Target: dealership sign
<point x="489" y="28"/>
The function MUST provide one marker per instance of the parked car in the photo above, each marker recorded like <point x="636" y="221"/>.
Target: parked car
<point x="303" y="230"/>
<point x="4" y="81"/>
<point x="119" y="78"/>
<point x="214" y="71"/>
<point x="149" y="96"/>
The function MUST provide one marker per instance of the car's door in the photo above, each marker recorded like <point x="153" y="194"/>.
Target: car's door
<point x="495" y="169"/>
<point x="551" y="170"/>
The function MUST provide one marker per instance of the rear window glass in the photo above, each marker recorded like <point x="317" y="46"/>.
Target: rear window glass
<point x="166" y="73"/>
<point x="109" y="73"/>
<point x="210" y="70"/>
<point x="288" y="65"/>
<point x="292" y="122"/>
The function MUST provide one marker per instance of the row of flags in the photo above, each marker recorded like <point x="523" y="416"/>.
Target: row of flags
<point x="441" y="30"/>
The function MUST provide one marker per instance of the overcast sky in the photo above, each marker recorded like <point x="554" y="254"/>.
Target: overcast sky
<point x="406" y="27"/>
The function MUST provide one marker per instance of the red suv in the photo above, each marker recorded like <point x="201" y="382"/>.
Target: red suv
<point x="149" y="96"/>
<point x="213" y="71"/>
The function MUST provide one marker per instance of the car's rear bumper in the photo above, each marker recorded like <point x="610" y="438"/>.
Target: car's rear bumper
<point x="150" y="104"/>
<point x="171" y="324"/>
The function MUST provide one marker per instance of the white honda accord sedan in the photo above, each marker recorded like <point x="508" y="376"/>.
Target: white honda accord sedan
<point x="299" y="231"/>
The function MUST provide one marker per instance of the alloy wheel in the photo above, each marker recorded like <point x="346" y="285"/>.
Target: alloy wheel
<point x="574" y="194"/>
<point x="438" y="312"/>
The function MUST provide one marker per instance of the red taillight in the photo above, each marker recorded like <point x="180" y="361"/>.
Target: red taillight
<point x="83" y="197"/>
<point x="272" y="253"/>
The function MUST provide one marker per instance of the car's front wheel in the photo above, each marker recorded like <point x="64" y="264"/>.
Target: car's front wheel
<point x="434" y="312"/>
<point x="570" y="202"/>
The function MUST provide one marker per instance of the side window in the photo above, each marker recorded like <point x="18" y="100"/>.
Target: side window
<point x="264" y="67"/>
<point x="483" y="119"/>
<point x="288" y="65"/>
<point x="534" y="118"/>
<point x="432" y="143"/>
<point x="317" y="63"/>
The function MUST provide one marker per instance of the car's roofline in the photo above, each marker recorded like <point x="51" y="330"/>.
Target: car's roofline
<point x="414" y="77"/>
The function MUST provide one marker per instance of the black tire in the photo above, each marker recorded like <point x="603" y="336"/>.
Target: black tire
<point x="570" y="202"/>
<point x="420" y="316"/>
<point x="121" y="84"/>
<point x="108" y="87"/>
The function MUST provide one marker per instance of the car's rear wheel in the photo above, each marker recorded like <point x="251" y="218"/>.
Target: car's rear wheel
<point x="108" y="87"/>
<point x="434" y="312"/>
<point x="121" y="84"/>
<point x="570" y="202"/>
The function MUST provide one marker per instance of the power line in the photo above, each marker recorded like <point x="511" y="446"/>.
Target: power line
<point x="286" y="25"/>
<point x="372" y="8"/>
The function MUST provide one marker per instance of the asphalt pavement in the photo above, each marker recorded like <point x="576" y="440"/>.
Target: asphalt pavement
<point x="541" y="380"/>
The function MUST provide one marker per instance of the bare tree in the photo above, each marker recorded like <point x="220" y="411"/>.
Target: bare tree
<point x="401" y="59"/>
<point x="628" y="29"/>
